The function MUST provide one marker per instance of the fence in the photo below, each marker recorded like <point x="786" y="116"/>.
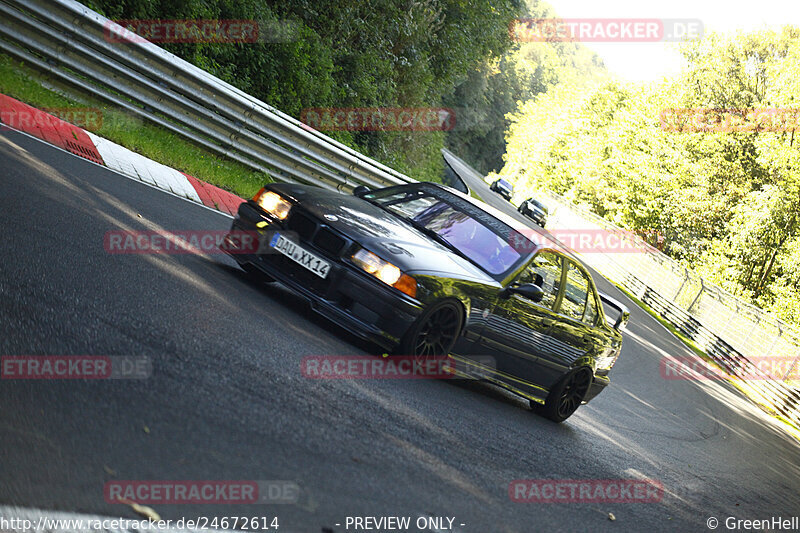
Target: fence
<point x="70" y="42"/>
<point x="731" y="331"/>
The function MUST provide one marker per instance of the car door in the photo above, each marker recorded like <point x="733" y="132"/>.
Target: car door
<point x="517" y="329"/>
<point x="574" y="336"/>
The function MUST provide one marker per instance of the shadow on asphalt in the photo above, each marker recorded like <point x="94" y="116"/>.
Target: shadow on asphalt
<point x="285" y="297"/>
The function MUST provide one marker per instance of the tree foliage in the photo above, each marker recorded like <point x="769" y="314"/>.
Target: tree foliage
<point x="381" y="53"/>
<point x="726" y="201"/>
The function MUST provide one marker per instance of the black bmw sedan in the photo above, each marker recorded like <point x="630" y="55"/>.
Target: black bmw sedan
<point x="427" y="271"/>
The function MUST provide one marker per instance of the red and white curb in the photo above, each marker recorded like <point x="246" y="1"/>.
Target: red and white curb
<point x="22" y="117"/>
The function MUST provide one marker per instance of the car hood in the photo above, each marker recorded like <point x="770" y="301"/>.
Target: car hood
<point x="382" y="232"/>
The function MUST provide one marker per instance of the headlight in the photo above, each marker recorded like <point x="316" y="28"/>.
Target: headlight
<point x="273" y="203"/>
<point x="385" y="271"/>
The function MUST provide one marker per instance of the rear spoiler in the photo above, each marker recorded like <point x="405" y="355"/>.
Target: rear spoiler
<point x="619" y="319"/>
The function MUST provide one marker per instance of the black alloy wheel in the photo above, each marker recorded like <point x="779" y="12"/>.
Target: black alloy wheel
<point x="565" y="398"/>
<point x="435" y="332"/>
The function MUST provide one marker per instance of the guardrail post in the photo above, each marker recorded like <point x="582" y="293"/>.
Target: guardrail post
<point x="696" y="298"/>
<point x="683" y="283"/>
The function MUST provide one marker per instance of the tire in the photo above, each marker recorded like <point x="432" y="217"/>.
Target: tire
<point x="434" y="332"/>
<point x="565" y="398"/>
<point x="255" y="274"/>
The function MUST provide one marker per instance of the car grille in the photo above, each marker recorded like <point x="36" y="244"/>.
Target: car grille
<point x="321" y="236"/>
<point x="303" y="225"/>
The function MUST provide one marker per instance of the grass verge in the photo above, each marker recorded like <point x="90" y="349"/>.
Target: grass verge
<point x="159" y="144"/>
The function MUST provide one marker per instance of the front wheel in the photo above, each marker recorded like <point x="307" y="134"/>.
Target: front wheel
<point x="434" y="333"/>
<point x="565" y="398"/>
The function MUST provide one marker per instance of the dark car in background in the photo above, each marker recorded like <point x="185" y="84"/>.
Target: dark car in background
<point x="535" y="210"/>
<point x="503" y="188"/>
<point x="426" y="271"/>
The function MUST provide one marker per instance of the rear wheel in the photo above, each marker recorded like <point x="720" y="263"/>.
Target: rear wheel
<point x="565" y="398"/>
<point x="434" y="333"/>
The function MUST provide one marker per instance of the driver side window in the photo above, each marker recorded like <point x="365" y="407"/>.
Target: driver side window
<point x="544" y="271"/>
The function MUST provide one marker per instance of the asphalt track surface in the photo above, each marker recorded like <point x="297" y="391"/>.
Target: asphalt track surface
<point x="227" y="400"/>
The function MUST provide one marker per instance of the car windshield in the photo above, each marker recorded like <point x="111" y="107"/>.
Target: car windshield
<point x="538" y="204"/>
<point x="505" y="184"/>
<point x="477" y="235"/>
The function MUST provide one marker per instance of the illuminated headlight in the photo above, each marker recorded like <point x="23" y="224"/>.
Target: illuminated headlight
<point x="385" y="271"/>
<point x="273" y="203"/>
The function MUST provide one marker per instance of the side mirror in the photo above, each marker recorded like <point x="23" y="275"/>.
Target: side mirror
<point x="361" y="190"/>
<point x="622" y="313"/>
<point x="528" y="290"/>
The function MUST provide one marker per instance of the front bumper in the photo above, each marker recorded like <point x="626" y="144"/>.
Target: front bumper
<point x="598" y="384"/>
<point x="347" y="296"/>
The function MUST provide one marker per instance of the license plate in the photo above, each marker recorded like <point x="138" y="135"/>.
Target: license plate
<point x="299" y="255"/>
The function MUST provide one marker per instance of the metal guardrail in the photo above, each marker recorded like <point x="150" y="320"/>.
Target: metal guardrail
<point x="732" y="332"/>
<point x="71" y="43"/>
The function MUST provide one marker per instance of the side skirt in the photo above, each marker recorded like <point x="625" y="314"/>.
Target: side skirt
<point x="470" y="369"/>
